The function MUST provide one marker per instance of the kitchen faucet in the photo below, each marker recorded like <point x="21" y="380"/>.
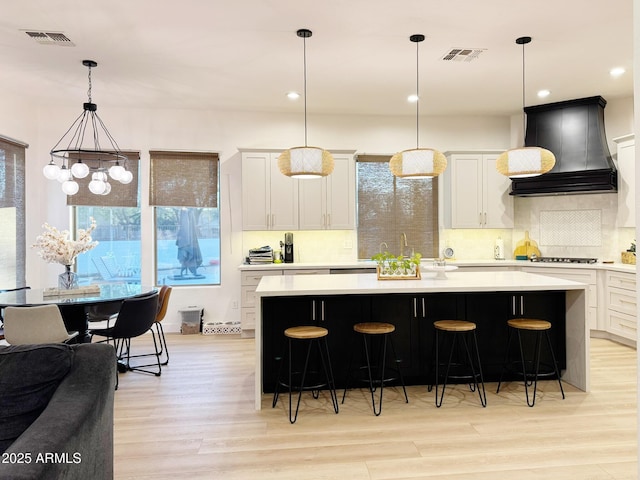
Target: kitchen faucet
<point x="403" y="236"/>
<point x="385" y="244"/>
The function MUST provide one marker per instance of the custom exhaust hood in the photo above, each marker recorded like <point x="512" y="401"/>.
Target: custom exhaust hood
<point x="574" y="131"/>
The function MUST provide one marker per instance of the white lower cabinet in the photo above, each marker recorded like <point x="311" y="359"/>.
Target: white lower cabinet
<point x="249" y="281"/>
<point x="621" y="304"/>
<point x="583" y="276"/>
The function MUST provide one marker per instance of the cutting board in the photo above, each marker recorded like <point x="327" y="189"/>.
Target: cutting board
<point x="526" y="247"/>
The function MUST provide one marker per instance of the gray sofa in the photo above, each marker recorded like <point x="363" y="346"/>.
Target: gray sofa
<point x="56" y="411"/>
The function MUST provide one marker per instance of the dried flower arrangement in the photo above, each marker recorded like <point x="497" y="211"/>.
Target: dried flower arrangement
<point x="56" y="246"/>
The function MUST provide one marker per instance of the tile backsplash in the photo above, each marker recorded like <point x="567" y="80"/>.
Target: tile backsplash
<point x="563" y="225"/>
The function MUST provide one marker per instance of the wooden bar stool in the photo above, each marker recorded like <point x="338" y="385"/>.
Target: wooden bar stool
<point x="313" y="336"/>
<point x="467" y="366"/>
<point x="539" y="328"/>
<point x="376" y="367"/>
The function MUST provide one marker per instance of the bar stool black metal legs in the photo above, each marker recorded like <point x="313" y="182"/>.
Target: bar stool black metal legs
<point x="530" y="377"/>
<point x="376" y="363"/>
<point x="467" y="364"/>
<point x="298" y="380"/>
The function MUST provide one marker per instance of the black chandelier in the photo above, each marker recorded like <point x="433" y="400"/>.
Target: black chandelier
<point x="77" y="161"/>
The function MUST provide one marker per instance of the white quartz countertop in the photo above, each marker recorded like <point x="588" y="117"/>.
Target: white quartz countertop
<point x="367" y="283"/>
<point x="621" y="267"/>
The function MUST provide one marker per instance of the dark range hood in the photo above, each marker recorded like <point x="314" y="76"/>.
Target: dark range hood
<point x="574" y="131"/>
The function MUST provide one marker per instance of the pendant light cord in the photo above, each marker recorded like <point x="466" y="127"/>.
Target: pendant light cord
<point x="524" y="116"/>
<point x="523" y="41"/>
<point x="304" y="62"/>
<point x="417" y="96"/>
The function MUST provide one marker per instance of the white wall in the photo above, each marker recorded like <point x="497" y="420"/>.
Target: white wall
<point x="224" y="132"/>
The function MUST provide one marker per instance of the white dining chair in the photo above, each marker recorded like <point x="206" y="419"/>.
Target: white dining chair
<point x="35" y="325"/>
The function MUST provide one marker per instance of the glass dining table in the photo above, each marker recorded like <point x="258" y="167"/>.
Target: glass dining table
<point x="75" y="307"/>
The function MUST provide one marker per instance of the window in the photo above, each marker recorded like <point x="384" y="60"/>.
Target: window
<point x="12" y="213"/>
<point x="117" y="257"/>
<point x="184" y="191"/>
<point x="391" y="209"/>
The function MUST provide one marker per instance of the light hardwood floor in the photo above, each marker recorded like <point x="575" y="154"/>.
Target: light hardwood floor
<point x="197" y="421"/>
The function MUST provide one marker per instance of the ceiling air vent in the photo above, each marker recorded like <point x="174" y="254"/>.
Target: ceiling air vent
<point x="50" y="38"/>
<point x="462" y="54"/>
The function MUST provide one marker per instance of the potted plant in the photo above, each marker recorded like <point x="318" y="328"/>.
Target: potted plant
<point x="399" y="267"/>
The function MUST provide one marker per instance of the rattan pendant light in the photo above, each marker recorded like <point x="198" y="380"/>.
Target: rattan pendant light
<point x="418" y="162"/>
<point x="525" y="161"/>
<point x="305" y="162"/>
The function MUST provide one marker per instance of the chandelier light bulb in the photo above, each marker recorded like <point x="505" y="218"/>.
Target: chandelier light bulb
<point x="126" y="177"/>
<point x="70" y="187"/>
<point x="64" y="174"/>
<point x="107" y="188"/>
<point x="97" y="186"/>
<point x="79" y="169"/>
<point x="116" y="171"/>
<point x="51" y="171"/>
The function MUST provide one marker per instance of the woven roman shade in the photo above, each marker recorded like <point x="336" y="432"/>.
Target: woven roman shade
<point x="12" y="154"/>
<point x="389" y="207"/>
<point x="183" y="179"/>
<point x="121" y="195"/>
<point x="12" y="218"/>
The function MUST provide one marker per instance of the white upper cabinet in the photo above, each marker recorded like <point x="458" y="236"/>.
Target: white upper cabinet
<point x="269" y="198"/>
<point x="328" y="203"/>
<point x="626" y="153"/>
<point x="475" y="194"/>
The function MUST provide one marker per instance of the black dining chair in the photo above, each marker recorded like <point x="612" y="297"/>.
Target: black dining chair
<point x="136" y="317"/>
<point x="103" y="313"/>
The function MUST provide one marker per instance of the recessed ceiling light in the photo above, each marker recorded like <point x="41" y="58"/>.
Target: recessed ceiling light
<point x="616" y="72"/>
<point x="293" y="95"/>
<point x="544" y="93"/>
<point x="413" y="98"/>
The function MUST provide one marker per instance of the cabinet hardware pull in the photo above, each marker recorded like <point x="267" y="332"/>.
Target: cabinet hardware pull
<point x="522" y="305"/>
<point x="415" y="307"/>
<point x="322" y="310"/>
<point x="328" y="219"/>
<point x="485" y="218"/>
<point x="513" y="305"/>
<point x="424" y="309"/>
<point x="313" y="310"/>
<point x="480" y="218"/>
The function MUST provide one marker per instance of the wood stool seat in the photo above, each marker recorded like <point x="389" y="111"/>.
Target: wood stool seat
<point x="374" y="328"/>
<point x="306" y="332"/>
<point x="454" y="325"/>
<point x="463" y="357"/>
<point x="376" y="361"/>
<point x="538" y="328"/>
<point x="529" y="324"/>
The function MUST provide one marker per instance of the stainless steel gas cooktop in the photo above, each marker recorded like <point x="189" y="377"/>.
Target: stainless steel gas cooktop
<point x="564" y="260"/>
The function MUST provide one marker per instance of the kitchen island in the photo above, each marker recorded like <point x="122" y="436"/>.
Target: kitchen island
<point x="487" y="298"/>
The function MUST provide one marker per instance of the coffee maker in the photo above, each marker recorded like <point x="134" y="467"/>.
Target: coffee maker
<point x="288" y="247"/>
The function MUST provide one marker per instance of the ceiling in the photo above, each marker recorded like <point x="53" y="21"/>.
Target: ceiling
<point x="245" y="55"/>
